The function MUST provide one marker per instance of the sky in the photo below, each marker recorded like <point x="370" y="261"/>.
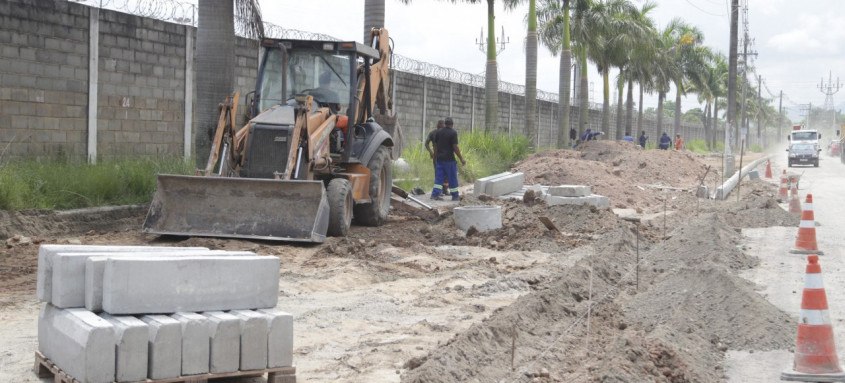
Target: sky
<point x="798" y="42"/>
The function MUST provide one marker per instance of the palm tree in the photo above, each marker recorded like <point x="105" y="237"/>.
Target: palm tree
<point x="690" y="56"/>
<point x="582" y="34"/>
<point x="491" y="78"/>
<point x="530" y="69"/>
<point x="373" y="18"/>
<point x="216" y="60"/>
<point x="553" y="17"/>
<point x="666" y="68"/>
<point x="616" y="30"/>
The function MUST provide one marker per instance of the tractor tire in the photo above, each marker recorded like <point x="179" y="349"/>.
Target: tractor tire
<point x="340" y="207"/>
<point x="381" y="180"/>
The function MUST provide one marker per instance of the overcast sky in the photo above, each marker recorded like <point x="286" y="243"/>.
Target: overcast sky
<point x="798" y="42"/>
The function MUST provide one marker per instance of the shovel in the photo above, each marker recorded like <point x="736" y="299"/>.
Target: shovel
<point x="402" y="193"/>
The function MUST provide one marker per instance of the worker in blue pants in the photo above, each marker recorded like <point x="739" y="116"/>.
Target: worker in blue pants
<point x="446" y="168"/>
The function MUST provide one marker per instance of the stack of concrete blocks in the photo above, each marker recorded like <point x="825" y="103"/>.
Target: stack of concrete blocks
<point x="500" y="184"/>
<point x="131" y="313"/>
<point x="575" y="195"/>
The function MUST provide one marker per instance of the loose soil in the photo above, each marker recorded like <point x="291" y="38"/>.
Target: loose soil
<point x="417" y="300"/>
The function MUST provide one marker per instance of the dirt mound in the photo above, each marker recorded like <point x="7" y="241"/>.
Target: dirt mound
<point x="48" y="223"/>
<point x="623" y="172"/>
<point x="674" y="329"/>
<point x="758" y="208"/>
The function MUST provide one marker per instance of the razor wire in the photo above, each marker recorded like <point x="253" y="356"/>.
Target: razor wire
<point x="166" y="10"/>
<point x="186" y="13"/>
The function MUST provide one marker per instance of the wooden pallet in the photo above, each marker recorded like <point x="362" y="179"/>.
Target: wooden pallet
<point x="45" y="368"/>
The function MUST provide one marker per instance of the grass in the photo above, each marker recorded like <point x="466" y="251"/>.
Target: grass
<point x="63" y="185"/>
<point x="485" y="154"/>
<point x="697" y="146"/>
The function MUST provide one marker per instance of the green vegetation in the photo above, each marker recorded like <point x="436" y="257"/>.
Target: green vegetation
<point x="64" y="185"/>
<point x="697" y="146"/>
<point x="485" y="154"/>
<point x="755" y="148"/>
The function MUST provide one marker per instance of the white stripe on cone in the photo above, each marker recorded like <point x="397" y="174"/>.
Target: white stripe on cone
<point x="807" y="224"/>
<point x="807" y="206"/>
<point x="814" y="317"/>
<point x="813" y="281"/>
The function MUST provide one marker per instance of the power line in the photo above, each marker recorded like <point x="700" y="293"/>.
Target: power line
<point x="704" y="11"/>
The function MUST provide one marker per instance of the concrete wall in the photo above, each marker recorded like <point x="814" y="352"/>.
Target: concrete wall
<point x="137" y="106"/>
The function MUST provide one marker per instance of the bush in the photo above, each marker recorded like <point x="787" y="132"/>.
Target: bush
<point x="485" y="154"/>
<point x="62" y="185"/>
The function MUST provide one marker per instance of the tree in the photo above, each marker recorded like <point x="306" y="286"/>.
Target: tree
<point x="615" y="29"/>
<point x="691" y="59"/>
<point x="530" y="69"/>
<point x="553" y="18"/>
<point x="373" y="18"/>
<point x="216" y="60"/>
<point x="666" y="69"/>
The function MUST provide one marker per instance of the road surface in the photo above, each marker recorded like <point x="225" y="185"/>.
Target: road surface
<point x="780" y="275"/>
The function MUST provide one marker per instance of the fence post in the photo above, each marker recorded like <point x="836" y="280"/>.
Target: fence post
<point x="189" y="92"/>
<point x="472" y="109"/>
<point x="93" y="79"/>
<point x="424" y="106"/>
<point x="510" y="113"/>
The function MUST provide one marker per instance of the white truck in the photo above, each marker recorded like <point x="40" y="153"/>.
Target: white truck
<point x="804" y="146"/>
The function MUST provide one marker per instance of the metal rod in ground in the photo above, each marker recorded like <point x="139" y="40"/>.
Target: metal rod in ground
<point x="665" y="201"/>
<point x="739" y="181"/>
<point x="637" y="286"/>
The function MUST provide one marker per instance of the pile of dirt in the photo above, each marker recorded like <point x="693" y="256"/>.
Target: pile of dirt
<point x="49" y="223"/>
<point x="625" y="173"/>
<point x="758" y="207"/>
<point x="690" y="307"/>
<point x="521" y="230"/>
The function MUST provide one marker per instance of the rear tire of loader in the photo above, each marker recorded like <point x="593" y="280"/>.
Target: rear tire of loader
<point x="381" y="181"/>
<point x="340" y="207"/>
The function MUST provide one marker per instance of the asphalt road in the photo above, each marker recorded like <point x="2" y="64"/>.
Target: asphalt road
<point x="780" y="275"/>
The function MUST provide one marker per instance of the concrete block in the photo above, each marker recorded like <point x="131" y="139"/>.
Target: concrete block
<point x="44" y="278"/>
<point x="754" y="175"/>
<point x="504" y="185"/>
<point x="95" y="267"/>
<point x="69" y="273"/>
<point x="570" y="191"/>
<point x="483" y="218"/>
<point x="196" y="337"/>
<point x="131" y="350"/>
<point x="594" y="200"/>
<point x="279" y="338"/>
<point x="147" y="285"/>
<point x="480" y="186"/>
<point x="254" y="333"/>
<point x="225" y="345"/>
<point x="165" y="346"/>
<point x="79" y="342"/>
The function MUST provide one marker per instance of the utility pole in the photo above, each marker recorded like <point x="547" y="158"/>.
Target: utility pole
<point x="731" y="112"/>
<point x="780" y="118"/>
<point x="744" y="122"/>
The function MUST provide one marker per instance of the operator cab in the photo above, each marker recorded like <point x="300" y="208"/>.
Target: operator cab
<point x="325" y="70"/>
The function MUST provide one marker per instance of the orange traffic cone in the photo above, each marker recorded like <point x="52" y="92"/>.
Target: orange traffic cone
<point x="815" y="349"/>
<point x="806" y="241"/>
<point x="768" y="169"/>
<point x="783" y="191"/>
<point x="794" y="201"/>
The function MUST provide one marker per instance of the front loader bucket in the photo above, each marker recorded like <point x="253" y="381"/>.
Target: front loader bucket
<point x="239" y="208"/>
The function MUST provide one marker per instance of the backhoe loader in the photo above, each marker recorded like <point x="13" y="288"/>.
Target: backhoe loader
<point x="310" y="159"/>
